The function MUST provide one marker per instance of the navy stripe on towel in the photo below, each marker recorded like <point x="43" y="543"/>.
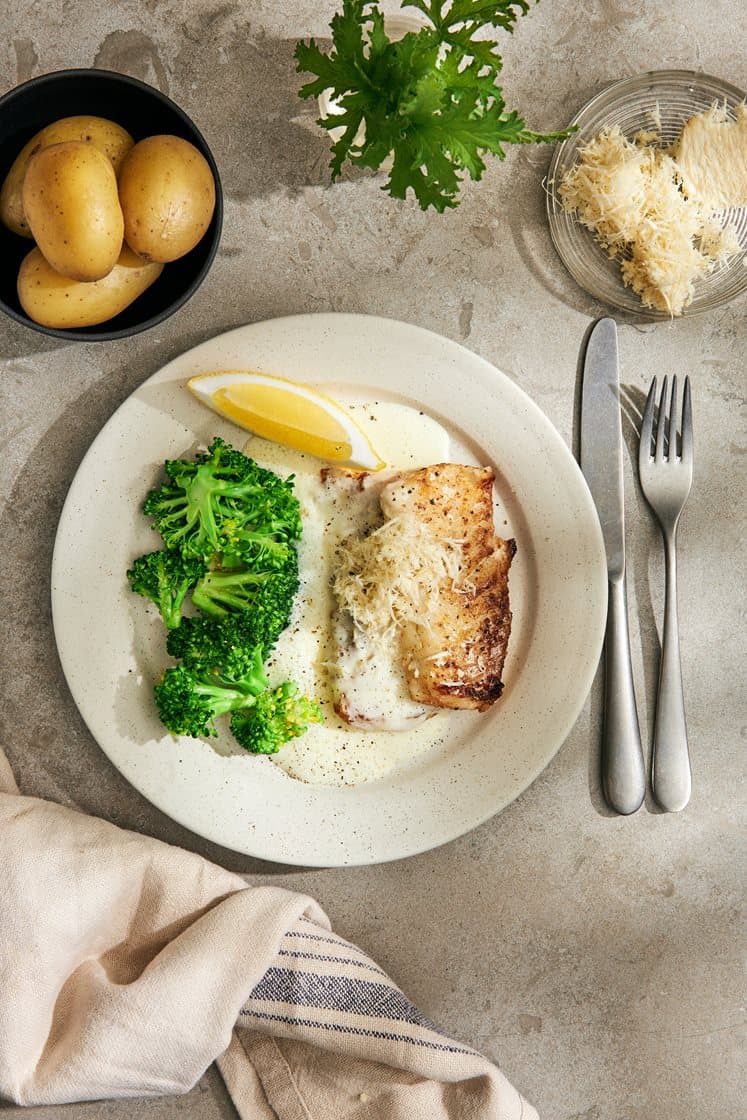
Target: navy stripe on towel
<point x="294" y="1022"/>
<point x="339" y="993"/>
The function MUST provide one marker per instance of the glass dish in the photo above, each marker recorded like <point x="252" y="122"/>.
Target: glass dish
<point x="662" y="100"/>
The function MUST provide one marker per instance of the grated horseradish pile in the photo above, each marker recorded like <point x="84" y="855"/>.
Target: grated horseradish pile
<point x="655" y="209"/>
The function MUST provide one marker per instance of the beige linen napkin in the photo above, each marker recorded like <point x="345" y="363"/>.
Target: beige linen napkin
<point x="128" y="966"/>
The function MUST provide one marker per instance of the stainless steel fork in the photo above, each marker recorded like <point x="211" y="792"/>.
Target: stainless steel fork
<point x="665" y="466"/>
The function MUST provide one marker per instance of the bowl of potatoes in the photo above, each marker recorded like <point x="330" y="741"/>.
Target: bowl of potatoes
<point x="110" y="205"/>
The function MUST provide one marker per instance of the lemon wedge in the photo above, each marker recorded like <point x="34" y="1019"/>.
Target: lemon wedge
<point x="286" y="412"/>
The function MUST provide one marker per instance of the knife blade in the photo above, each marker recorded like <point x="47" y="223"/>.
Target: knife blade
<point x="623" y="776"/>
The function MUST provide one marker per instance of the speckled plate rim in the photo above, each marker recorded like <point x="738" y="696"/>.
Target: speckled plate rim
<point x="248" y="804"/>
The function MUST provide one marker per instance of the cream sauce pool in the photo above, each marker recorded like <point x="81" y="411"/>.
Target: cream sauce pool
<point x="333" y="753"/>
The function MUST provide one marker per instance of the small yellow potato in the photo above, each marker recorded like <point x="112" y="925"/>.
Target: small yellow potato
<point x="71" y="204"/>
<point x="167" y="193"/>
<point x="56" y="301"/>
<point x="109" y="137"/>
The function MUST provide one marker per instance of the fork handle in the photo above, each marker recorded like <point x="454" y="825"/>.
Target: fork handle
<point x="670" y="768"/>
<point x="623" y="774"/>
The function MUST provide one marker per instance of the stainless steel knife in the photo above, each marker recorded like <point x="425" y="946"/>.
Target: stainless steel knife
<point x="623" y="774"/>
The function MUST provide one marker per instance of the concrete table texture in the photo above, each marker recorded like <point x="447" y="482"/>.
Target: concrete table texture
<point x="594" y="958"/>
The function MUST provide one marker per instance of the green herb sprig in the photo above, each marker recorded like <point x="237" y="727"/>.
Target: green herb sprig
<point x="430" y="100"/>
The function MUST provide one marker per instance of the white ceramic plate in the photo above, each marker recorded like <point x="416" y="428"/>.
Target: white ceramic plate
<point x="112" y="650"/>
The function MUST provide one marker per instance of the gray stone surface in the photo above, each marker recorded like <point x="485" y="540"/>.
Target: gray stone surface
<point x="595" y="958"/>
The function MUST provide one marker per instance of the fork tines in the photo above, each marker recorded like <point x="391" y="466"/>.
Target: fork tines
<point x="666" y="442"/>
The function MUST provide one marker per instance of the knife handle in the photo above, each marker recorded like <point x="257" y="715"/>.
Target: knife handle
<point x="623" y="774"/>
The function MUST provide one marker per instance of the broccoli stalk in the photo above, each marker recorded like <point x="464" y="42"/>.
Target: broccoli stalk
<point x="165" y="577"/>
<point x="208" y="501"/>
<point x="254" y="548"/>
<point x="278" y="715"/>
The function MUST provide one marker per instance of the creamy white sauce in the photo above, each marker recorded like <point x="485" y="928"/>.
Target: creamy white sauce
<point x="334" y="753"/>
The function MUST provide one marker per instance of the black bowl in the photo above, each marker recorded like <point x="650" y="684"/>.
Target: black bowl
<point x="143" y="111"/>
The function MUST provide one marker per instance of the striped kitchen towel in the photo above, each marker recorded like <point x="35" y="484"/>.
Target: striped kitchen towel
<point x="127" y="966"/>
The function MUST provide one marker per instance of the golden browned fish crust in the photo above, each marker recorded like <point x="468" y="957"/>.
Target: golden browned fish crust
<point x="454" y="658"/>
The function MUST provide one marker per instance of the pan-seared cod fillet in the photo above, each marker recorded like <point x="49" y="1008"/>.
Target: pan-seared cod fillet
<point x="422" y="617"/>
<point x="453" y="654"/>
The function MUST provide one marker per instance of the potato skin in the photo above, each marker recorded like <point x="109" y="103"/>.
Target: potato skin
<point x="109" y="137"/>
<point x="167" y="193"/>
<point x="56" y="301"/>
<point x="71" y="204"/>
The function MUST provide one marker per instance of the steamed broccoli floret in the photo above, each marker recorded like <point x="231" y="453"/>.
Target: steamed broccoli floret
<point x="279" y="714"/>
<point x="206" y="643"/>
<point x="210" y="499"/>
<point x="166" y="577"/>
<point x="269" y="594"/>
<point x="190" y="700"/>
